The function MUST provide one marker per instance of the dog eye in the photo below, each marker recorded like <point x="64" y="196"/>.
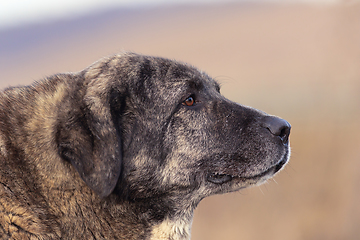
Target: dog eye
<point x="190" y="101"/>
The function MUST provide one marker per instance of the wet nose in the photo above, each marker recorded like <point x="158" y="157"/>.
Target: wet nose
<point x="277" y="126"/>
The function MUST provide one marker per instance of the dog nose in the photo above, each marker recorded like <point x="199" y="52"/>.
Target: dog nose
<point x="277" y="126"/>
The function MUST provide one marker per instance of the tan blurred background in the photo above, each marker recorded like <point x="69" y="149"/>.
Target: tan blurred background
<point x="299" y="61"/>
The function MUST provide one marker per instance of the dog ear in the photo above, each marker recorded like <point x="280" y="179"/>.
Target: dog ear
<point x="89" y="138"/>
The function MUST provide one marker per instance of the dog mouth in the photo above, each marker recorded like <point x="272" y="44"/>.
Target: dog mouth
<point x="220" y="178"/>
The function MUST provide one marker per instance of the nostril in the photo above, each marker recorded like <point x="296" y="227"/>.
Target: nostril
<point x="284" y="133"/>
<point x="277" y="126"/>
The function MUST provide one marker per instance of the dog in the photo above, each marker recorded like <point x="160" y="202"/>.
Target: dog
<point x="126" y="149"/>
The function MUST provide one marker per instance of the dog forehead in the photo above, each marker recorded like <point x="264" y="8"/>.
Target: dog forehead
<point x="189" y="78"/>
<point x="168" y="70"/>
<point x="144" y="73"/>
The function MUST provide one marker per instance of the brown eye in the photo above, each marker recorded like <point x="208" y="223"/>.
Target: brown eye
<point x="189" y="101"/>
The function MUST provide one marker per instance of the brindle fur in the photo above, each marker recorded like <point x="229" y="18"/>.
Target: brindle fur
<point x="112" y="153"/>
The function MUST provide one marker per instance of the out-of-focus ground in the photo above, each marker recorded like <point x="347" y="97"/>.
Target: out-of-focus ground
<point x="301" y="62"/>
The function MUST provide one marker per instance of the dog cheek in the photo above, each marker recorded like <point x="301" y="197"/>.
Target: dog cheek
<point x="183" y="164"/>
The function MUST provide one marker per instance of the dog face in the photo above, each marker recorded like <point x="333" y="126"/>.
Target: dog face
<point x="152" y="128"/>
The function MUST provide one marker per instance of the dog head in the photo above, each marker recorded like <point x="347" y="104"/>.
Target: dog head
<point x="144" y="128"/>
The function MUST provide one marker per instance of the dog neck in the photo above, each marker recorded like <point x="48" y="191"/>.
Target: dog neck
<point x="175" y="229"/>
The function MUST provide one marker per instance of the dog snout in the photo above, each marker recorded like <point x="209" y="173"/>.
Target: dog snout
<point x="278" y="127"/>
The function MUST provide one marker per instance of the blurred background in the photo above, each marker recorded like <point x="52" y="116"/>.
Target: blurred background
<point x="296" y="59"/>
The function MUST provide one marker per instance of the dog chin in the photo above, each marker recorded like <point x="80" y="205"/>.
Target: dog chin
<point x="270" y="172"/>
<point x="258" y="179"/>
